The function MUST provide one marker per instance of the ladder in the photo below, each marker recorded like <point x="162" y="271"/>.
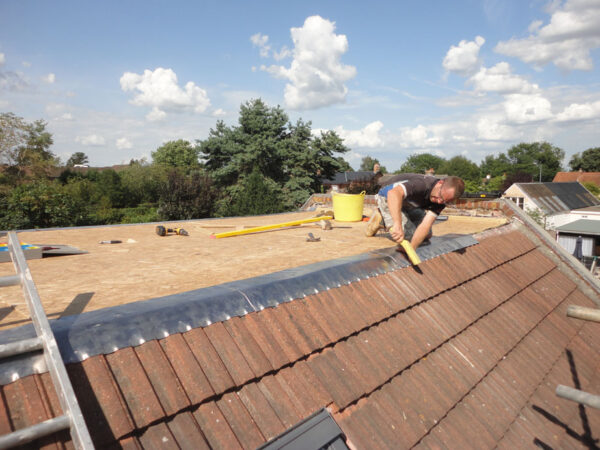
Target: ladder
<point x="72" y="417"/>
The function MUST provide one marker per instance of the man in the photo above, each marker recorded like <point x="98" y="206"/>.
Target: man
<point x="409" y="204"/>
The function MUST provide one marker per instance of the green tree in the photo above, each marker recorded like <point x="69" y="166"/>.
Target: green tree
<point x="284" y="153"/>
<point x="462" y="167"/>
<point x="77" y="158"/>
<point x="178" y="153"/>
<point x="13" y="134"/>
<point x="367" y="164"/>
<point x="419" y="163"/>
<point x="344" y="166"/>
<point x="495" y="166"/>
<point x="592" y="187"/>
<point x="536" y="158"/>
<point x="588" y="160"/>
<point x="257" y="195"/>
<point x="186" y="197"/>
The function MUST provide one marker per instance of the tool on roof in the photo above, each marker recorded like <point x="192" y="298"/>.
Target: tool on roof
<point x="311" y="238"/>
<point x="162" y="231"/>
<point x="269" y="227"/>
<point x="410" y="252"/>
<point x="113" y="241"/>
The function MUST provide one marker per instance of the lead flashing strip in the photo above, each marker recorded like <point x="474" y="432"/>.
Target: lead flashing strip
<point x="107" y="330"/>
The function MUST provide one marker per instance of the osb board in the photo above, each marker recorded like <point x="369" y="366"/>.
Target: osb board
<point x="146" y="265"/>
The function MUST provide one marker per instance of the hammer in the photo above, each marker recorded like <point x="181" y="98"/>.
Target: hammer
<point x="410" y="252"/>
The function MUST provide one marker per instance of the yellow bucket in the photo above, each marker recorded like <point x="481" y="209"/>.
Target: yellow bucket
<point x="348" y="207"/>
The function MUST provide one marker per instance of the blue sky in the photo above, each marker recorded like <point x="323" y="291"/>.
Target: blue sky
<point x="116" y="79"/>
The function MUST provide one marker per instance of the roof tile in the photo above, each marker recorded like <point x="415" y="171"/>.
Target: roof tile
<point x="316" y="388"/>
<point x="230" y="354"/>
<point x="307" y="325"/>
<point x="137" y="390"/>
<point x="158" y="436"/>
<point x="252" y="352"/>
<point x="279" y="401"/>
<point x="337" y="321"/>
<point x="164" y="381"/>
<point x="347" y="309"/>
<point x="358" y="365"/>
<point x="209" y="360"/>
<point x="215" y="428"/>
<point x="240" y="421"/>
<point x="274" y="342"/>
<point x="324" y="320"/>
<point x="297" y="337"/>
<point x="261" y="411"/>
<point x="100" y="399"/>
<point x="294" y="386"/>
<point x="190" y="374"/>
<point x="186" y="431"/>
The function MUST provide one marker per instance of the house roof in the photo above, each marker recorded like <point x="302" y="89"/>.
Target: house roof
<point x="582" y="177"/>
<point x="349" y="177"/>
<point x="464" y="350"/>
<point x="583" y="226"/>
<point x="558" y="197"/>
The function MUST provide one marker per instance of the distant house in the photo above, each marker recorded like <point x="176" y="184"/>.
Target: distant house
<point x="342" y="180"/>
<point x="586" y="229"/>
<point x="582" y="177"/>
<point x="555" y="202"/>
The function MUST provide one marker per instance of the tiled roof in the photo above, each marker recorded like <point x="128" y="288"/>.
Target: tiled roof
<point x="582" y="177"/>
<point x="464" y="351"/>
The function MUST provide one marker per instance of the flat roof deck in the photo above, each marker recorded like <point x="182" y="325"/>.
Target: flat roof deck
<point x="145" y="265"/>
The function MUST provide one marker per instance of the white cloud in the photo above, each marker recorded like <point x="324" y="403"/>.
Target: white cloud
<point x="366" y="137"/>
<point x="464" y="59"/>
<point x="492" y="127"/>
<point x="123" y="143"/>
<point x="500" y="79"/>
<point x="50" y="78"/>
<point x="93" y="140"/>
<point x="567" y="41"/>
<point x="579" y="111"/>
<point x="219" y="113"/>
<point x="66" y="117"/>
<point x="261" y="41"/>
<point x="420" y="137"/>
<point x="2" y="59"/>
<point x="524" y="108"/>
<point x="316" y="75"/>
<point x="159" y="89"/>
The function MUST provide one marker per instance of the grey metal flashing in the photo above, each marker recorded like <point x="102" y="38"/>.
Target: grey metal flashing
<point x="319" y="431"/>
<point x="109" y="329"/>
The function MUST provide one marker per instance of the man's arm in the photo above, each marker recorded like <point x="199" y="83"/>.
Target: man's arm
<point x="394" y="201"/>
<point x="423" y="229"/>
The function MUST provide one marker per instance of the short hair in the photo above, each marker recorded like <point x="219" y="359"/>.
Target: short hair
<point x="457" y="184"/>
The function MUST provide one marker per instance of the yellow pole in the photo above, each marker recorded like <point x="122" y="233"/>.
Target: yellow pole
<point x="410" y="252"/>
<point x="269" y="227"/>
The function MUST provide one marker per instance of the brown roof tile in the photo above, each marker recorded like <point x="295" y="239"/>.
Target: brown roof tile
<point x="186" y="431"/>
<point x="244" y="340"/>
<point x="280" y="402"/>
<point x="230" y="354"/>
<point x="158" y="436"/>
<point x="261" y="411"/>
<point x="214" y="427"/>
<point x="270" y="340"/>
<point x="240" y="421"/>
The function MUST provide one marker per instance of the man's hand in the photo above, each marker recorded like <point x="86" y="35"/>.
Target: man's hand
<point x="397" y="233"/>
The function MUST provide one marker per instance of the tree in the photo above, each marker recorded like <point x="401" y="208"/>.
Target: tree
<point x="186" y="197"/>
<point x="588" y="161"/>
<point x="257" y="195"/>
<point x="368" y="164"/>
<point x="77" y="158"/>
<point x="462" y="167"/>
<point x="13" y="132"/>
<point x="495" y="166"/>
<point x="178" y="153"/>
<point x="537" y="158"/>
<point x="419" y="163"/>
<point x="284" y="153"/>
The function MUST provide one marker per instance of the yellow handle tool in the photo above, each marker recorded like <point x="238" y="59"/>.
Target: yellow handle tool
<point x="410" y="252"/>
<point x="269" y="227"/>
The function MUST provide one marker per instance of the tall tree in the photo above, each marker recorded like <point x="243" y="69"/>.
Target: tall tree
<point x="540" y="159"/>
<point x="462" y="167"/>
<point x="588" y="161"/>
<point x="284" y="153"/>
<point x="419" y="163"/>
<point x="13" y="134"/>
<point x="178" y="153"/>
<point x="77" y="158"/>
<point x="495" y="166"/>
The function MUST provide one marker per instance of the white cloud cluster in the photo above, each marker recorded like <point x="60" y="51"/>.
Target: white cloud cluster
<point x="567" y="41"/>
<point x="123" y="143"/>
<point x="500" y="79"/>
<point x="316" y="75"/>
<point x="50" y="78"/>
<point x="2" y="59"/>
<point x="262" y="42"/>
<point x="464" y="58"/>
<point x="367" y="137"/>
<point x="579" y="111"/>
<point x="92" y="140"/>
<point x="159" y="90"/>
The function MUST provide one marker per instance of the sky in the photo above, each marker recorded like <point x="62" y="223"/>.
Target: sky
<point x="117" y="79"/>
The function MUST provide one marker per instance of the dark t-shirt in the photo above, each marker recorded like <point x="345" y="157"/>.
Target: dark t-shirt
<point x="418" y="191"/>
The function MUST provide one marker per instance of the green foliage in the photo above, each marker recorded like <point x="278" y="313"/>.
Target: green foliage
<point x="460" y="166"/>
<point x="529" y="158"/>
<point x="343" y="164"/>
<point x="537" y="216"/>
<point x="495" y="166"/>
<point x="140" y="214"/>
<point x="178" y="153"/>
<point x="419" y="163"/>
<point x="142" y="183"/>
<point x="287" y="155"/>
<point x="13" y="133"/>
<point x="592" y="187"/>
<point x="588" y="161"/>
<point x="368" y="164"/>
<point x="186" y="196"/>
<point x="256" y="195"/>
<point x="77" y="158"/>
<point x="40" y="204"/>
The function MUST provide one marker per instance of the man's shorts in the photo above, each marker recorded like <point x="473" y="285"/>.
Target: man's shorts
<point x="411" y="218"/>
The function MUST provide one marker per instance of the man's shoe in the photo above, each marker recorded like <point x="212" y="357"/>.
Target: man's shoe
<point x="374" y="224"/>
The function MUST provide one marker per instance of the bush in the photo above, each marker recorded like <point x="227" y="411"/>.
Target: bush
<point x="256" y="195"/>
<point x="186" y="196"/>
